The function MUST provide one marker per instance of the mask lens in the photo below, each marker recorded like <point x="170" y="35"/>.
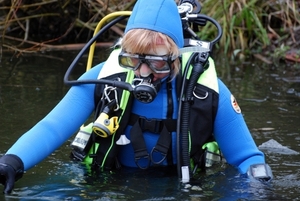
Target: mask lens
<point x="158" y="64"/>
<point x="128" y="61"/>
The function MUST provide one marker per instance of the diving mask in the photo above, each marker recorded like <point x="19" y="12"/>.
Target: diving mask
<point x="158" y="64"/>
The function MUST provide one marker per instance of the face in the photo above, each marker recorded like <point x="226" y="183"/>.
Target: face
<point x="156" y="66"/>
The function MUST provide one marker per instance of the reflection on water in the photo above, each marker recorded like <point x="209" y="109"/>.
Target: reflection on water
<point x="30" y="87"/>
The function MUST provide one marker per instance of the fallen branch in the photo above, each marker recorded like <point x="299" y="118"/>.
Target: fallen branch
<point x="42" y="47"/>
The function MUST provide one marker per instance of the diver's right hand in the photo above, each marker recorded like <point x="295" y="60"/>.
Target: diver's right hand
<point x="11" y="169"/>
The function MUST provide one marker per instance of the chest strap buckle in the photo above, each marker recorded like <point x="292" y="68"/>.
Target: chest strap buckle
<point x="151" y="125"/>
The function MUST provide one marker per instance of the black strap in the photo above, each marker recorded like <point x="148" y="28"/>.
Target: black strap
<point x="170" y="112"/>
<point x="138" y="142"/>
<point x="163" y="127"/>
<point x="162" y="146"/>
<point x="139" y="145"/>
<point x="153" y="125"/>
<point x="170" y="99"/>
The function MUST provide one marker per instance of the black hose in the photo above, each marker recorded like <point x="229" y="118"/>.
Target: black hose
<point x="196" y="72"/>
<point x="83" y="50"/>
<point x="219" y="28"/>
<point x="179" y="117"/>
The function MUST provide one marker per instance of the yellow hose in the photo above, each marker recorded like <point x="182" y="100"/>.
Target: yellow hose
<point x="102" y="22"/>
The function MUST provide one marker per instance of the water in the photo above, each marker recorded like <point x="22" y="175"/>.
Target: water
<point x="269" y="95"/>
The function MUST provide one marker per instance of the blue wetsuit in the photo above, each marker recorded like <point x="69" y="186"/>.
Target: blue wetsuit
<point x="46" y="136"/>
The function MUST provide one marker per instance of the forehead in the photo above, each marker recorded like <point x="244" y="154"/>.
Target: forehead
<point x="151" y="50"/>
<point x="146" y="44"/>
<point x="160" y="41"/>
<point x="159" y="50"/>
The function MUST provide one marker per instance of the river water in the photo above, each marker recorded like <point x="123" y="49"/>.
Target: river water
<point x="269" y="95"/>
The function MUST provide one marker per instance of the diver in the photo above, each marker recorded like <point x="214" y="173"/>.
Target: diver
<point x="140" y="128"/>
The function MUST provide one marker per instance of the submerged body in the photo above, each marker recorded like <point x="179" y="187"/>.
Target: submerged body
<point x="230" y="130"/>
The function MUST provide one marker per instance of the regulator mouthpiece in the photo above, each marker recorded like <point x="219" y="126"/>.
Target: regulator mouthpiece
<point x="144" y="90"/>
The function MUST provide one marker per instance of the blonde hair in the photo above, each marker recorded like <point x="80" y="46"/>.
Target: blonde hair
<point x="140" y="41"/>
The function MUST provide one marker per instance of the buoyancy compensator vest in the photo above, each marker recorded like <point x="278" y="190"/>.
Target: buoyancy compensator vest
<point x="102" y="152"/>
<point x="203" y="110"/>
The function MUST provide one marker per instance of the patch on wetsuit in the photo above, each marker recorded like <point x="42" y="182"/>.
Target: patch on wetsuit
<point x="235" y="105"/>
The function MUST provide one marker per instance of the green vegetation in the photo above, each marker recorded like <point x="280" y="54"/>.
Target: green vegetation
<point x="271" y="27"/>
<point x="255" y="25"/>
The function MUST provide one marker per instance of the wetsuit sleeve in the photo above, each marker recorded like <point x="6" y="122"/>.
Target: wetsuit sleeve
<point x="233" y="135"/>
<point x="56" y="127"/>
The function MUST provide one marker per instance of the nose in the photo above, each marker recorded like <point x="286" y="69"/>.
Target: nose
<point x="145" y="71"/>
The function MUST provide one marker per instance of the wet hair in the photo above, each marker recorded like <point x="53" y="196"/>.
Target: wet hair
<point x="140" y="41"/>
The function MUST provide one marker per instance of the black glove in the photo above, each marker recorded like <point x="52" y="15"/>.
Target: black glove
<point x="11" y="170"/>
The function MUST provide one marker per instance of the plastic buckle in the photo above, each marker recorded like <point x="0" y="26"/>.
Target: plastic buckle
<point x="152" y="125"/>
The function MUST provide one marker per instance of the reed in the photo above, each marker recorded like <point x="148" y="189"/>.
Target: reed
<point x="248" y="25"/>
<point x="251" y="24"/>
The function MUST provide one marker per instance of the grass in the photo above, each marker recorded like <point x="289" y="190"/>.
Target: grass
<point x="252" y="24"/>
<point x="248" y="25"/>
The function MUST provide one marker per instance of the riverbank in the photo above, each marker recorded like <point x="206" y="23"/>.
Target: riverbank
<point x="266" y="30"/>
